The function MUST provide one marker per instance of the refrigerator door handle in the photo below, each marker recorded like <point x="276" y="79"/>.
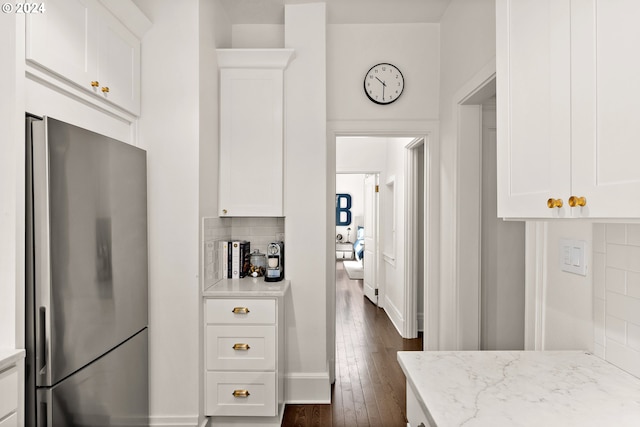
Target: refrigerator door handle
<point x="41" y="361"/>
<point x="42" y="292"/>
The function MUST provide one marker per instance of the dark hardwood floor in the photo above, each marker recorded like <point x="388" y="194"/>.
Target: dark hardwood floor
<point x="370" y="385"/>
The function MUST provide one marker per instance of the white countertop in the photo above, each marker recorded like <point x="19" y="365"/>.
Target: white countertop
<point x="247" y="286"/>
<point x="518" y="388"/>
<point x="9" y="356"/>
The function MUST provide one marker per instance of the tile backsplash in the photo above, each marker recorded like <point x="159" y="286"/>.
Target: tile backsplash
<point x="616" y="299"/>
<point x="260" y="231"/>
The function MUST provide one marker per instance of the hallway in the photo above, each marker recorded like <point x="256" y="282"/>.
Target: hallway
<point x="370" y="386"/>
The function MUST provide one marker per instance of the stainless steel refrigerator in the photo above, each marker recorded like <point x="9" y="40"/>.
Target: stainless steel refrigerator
<point x="86" y="313"/>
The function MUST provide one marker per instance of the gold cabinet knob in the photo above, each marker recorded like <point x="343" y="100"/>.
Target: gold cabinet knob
<point x="105" y="89"/>
<point x="95" y="83"/>
<point x="577" y="201"/>
<point x="224" y="211"/>
<point x="241" y="393"/>
<point x="554" y="203"/>
<point x="238" y="346"/>
<point x="240" y="310"/>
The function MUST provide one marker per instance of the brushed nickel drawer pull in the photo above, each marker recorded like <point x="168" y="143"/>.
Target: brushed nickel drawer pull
<point x="241" y="393"/>
<point x="241" y="347"/>
<point x="240" y="310"/>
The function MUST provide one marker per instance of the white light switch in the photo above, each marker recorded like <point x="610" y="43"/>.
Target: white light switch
<point x="572" y="256"/>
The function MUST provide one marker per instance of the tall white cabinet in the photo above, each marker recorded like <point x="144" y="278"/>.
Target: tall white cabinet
<point x="251" y="168"/>
<point x="567" y="101"/>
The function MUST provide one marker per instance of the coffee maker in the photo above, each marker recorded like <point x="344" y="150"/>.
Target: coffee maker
<point x="275" y="262"/>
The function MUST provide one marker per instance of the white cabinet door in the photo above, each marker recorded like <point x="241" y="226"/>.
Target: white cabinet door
<point x="119" y="65"/>
<point x="533" y="75"/>
<point x="606" y="101"/>
<point x="251" y="144"/>
<point x="8" y="391"/>
<point x="568" y="97"/>
<point x="63" y="40"/>
<point x="81" y="42"/>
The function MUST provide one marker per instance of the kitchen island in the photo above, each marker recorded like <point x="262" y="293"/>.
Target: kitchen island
<point x="518" y="388"/>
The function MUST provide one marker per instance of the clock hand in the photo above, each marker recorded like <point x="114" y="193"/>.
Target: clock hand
<point x="383" y="83"/>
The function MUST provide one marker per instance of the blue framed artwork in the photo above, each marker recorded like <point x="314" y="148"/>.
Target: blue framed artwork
<point x="343" y="209"/>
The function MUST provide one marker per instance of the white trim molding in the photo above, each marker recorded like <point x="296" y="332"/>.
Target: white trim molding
<point x="535" y="284"/>
<point x="175" y="421"/>
<point x="307" y="387"/>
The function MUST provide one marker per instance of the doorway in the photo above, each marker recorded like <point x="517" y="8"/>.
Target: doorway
<point x="362" y="144"/>
<point x="490" y="252"/>
<point x="394" y="217"/>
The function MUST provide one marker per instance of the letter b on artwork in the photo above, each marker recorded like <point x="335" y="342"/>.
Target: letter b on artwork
<point x="343" y="209"/>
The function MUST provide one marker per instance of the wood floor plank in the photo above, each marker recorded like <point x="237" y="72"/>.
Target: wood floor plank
<point x="370" y="385"/>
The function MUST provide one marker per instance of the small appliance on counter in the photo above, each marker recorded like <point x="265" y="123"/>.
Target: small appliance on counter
<point x="275" y="262"/>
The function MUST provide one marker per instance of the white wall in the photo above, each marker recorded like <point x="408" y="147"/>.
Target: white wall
<point x="256" y="36"/>
<point x="503" y="257"/>
<point x="467" y="32"/>
<point x="169" y="131"/>
<point x="394" y="274"/>
<point x="616" y="287"/>
<point x="11" y="182"/>
<point x="353" y="49"/>
<point x="307" y="208"/>
<point x="567" y="307"/>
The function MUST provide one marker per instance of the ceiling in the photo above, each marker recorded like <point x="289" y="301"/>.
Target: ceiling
<point x="340" y="11"/>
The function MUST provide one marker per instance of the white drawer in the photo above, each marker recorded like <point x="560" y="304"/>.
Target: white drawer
<point x="239" y="348"/>
<point x="415" y="414"/>
<point x="12" y="421"/>
<point x="261" y="399"/>
<point x="8" y="391"/>
<point x="241" y="311"/>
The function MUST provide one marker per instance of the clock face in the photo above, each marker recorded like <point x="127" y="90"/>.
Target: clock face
<point x="383" y="83"/>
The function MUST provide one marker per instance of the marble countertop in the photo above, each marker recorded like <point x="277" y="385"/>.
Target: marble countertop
<point x="9" y="356"/>
<point x="247" y="286"/>
<point x="521" y="388"/>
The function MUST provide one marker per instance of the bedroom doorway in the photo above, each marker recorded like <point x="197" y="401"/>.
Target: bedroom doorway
<point x="379" y="211"/>
<point x="355" y="149"/>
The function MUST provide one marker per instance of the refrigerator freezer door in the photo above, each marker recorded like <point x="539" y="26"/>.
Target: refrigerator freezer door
<point x="112" y="391"/>
<point x="90" y="246"/>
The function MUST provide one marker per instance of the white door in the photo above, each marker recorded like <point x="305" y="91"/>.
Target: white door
<point x="370" y="237"/>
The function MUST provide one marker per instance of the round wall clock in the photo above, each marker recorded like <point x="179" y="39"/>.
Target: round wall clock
<point x="383" y="83"/>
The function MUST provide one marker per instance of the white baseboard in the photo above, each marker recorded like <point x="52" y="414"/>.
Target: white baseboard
<point x="164" y="421"/>
<point x="307" y="388"/>
<point x="421" y="322"/>
<point x="394" y="315"/>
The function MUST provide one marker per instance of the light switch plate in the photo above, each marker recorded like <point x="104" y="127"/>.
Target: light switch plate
<point x="573" y="256"/>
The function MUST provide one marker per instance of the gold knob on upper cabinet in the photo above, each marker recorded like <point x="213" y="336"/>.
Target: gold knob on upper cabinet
<point x="95" y="83"/>
<point x="577" y="201"/>
<point x="554" y="203"/>
<point x="224" y="211"/>
<point x="105" y="89"/>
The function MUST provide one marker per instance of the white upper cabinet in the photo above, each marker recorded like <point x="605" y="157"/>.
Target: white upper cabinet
<point x="251" y="131"/>
<point x="84" y="45"/>
<point x="605" y="106"/>
<point x="567" y="93"/>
